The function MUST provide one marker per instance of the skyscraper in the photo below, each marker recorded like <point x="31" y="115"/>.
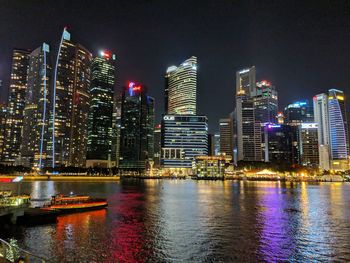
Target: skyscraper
<point x="299" y="112"/>
<point x="70" y="104"/>
<point x="265" y="102"/>
<point x="245" y="81"/>
<point x="15" y="106"/>
<point x="35" y="134"/>
<point x="137" y="128"/>
<point x="157" y="144"/>
<point x="308" y="145"/>
<point x="248" y="130"/>
<point x="100" y="125"/>
<point x="226" y="133"/>
<point x="338" y="130"/>
<point x="181" y="88"/>
<point x="183" y="138"/>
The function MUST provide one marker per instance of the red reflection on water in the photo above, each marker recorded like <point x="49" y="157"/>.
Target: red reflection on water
<point x="129" y="241"/>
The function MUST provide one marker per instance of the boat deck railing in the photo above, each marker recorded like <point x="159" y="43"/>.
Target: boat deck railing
<point x="12" y="253"/>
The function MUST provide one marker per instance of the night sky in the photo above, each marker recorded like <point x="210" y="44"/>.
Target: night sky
<point x="302" y="47"/>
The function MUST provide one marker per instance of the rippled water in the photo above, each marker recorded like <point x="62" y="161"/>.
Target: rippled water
<point x="195" y="221"/>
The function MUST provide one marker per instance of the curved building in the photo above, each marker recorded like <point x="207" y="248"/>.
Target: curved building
<point x="181" y="88"/>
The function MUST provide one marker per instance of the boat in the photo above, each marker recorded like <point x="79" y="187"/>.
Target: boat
<point x="74" y="203"/>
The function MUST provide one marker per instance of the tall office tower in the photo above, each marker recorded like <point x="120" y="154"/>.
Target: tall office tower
<point x="280" y="144"/>
<point x="321" y="118"/>
<point x="117" y="113"/>
<point x="181" y="88"/>
<point x="15" y="106"/>
<point x="245" y="82"/>
<point x="265" y="102"/>
<point x="137" y="128"/>
<point x="183" y="138"/>
<point x="71" y="101"/>
<point x="226" y="133"/>
<point x="157" y="144"/>
<point x="100" y="125"/>
<point x="308" y="145"/>
<point x="211" y="149"/>
<point x="35" y="133"/>
<point x="248" y="130"/>
<point x="338" y="130"/>
<point x="3" y="111"/>
<point x="299" y="112"/>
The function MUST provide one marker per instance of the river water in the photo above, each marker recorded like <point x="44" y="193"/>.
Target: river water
<point x="194" y="221"/>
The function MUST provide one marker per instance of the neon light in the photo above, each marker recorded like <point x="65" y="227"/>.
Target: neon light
<point x="131" y="84"/>
<point x="17" y="179"/>
<point x="136" y="88"/>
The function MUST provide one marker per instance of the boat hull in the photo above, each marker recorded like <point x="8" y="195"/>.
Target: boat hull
<point x="76" y="208"/>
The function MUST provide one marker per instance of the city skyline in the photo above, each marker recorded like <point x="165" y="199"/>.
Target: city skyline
<point x="297" y="69"/>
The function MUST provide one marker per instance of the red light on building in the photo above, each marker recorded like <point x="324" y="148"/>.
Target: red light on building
<point x="5" y="180"/>
<point x="136" y="88"/>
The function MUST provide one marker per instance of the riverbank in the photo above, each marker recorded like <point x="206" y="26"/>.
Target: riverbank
<point x="63" y="178"/>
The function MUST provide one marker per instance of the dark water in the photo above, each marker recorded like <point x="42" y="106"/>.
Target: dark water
<point x="193" y="221"/>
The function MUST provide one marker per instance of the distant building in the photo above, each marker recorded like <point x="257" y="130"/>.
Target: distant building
<point x="211" y="166"/>
<point x="211" y="149"/>
<point x="100" y="125"/>
<point x="338" y="130"/>
<point x="35" y="132"/>
<point x="157" y="145"/>
<point x="245" y="81"/>
<point x="280" y="144"/>
<point x="265" y="102"/>
<point x="183" y="138"/>
<point x="181" y="88"/>
<point x="321" y="118"/>
<point x="137" y="128"/>
<point x="3" y="111"/>
<point x="15" y="106"/>
<point x="248" y="130"/>
<point x="308" y="145"/>
<point x="116" y="125"/>
<point x="299" y="112"/>
<point x="216" y="143"/>
<point x="226" y="133"/>
<point x="71" y="103"/>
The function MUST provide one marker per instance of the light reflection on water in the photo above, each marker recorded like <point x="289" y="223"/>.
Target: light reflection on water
<point x="195" y="221"/>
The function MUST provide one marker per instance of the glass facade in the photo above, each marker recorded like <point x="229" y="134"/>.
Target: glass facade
<point x="299" y="112"/>
<point x="265" y="102"/>
<point x="183" y="138"/>
<point x="181" y="88"/>
<point x="137" y="128"/>
<point x="100" y="133"/>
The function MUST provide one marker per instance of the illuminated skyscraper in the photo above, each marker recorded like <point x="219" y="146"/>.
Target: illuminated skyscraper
<point x="3" y="111"/>
<point x="265" y="102"/>
<point x="338" y="130"/>
<point x="181" y="88"/>
<point x="100" y="133"/>
<point x="35" y="133"/>
<point x="137" y="128"/>
<point x="15" y="106"/>
<point x="308" y="145"/>
<point x="321" y="118"/>
<point x="226" y="133"/>
<point x="245" y="81"/>
<point x="157" y="144"/>
<point x="299" y="112"/>
<point x="70" y="104"/>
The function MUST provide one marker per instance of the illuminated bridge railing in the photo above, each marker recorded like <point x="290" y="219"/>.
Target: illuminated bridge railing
<point x="10" y="252"/>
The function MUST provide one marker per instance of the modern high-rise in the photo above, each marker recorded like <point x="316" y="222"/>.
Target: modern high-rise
<point x="280" y="144"/>
<point x="137" y="128"/>
<point x="116" y="124"/>
<point x="181" y="88"/>
<point x="100" y="125"/>
<point x="245" y="81"/>
<point x="308" y="145"/>
<point x="226" y="133"/>
<point x="299" y="112"/>
<point x="338" y="130"/>
<point x="3" y="111"/>
<point x="157" y="144"/>
<point x="216" y="143"/>
<point x="183" y="138"/>
<point x="15" y="106"/>
<point x="265" y="102"/>
<point x="321" y="118"/>
<point x="36" y="116"/>
<point x="248" y="130"/>
<point x="70" y="104"/>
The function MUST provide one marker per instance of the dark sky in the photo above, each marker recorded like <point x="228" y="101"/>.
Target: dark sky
<point x="303" y="47"/>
